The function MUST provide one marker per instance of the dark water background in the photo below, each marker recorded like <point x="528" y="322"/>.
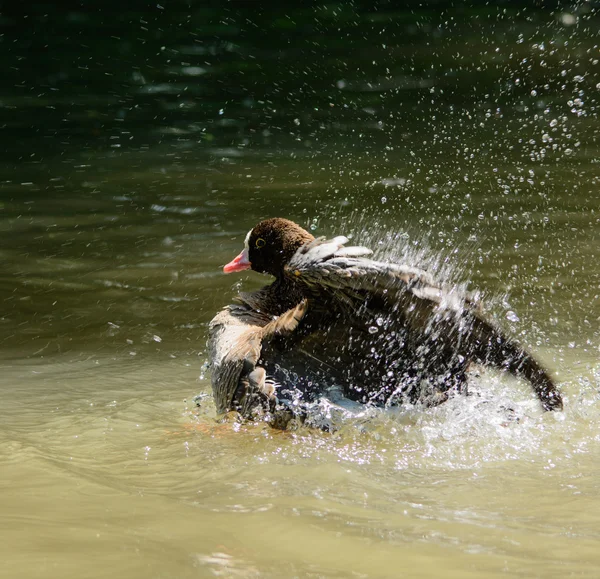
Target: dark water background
<point x="139" y="142"/>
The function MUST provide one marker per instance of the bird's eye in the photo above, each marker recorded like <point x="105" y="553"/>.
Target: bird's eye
<point x="260" y="242"/>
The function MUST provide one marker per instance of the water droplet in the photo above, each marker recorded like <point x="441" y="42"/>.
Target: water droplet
<point x="512" y="316"/>
<point x="373" y="329"/>
<point x="568" y="19"/>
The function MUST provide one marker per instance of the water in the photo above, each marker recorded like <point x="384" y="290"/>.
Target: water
<point x="110" y="273"/>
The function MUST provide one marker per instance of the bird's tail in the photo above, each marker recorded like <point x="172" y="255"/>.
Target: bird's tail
<point x="491" y="348"/>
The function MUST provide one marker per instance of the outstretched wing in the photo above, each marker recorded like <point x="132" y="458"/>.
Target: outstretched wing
<point x="442" y="316"/>
<point x="345" y="274"/>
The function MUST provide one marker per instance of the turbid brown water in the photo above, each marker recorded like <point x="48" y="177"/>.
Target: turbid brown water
<point x="111" y="262"/>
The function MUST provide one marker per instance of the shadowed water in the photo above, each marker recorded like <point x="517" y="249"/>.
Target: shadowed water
<point x="415" y="139"/>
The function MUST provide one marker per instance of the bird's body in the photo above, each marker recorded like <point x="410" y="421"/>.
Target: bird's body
<point x="383" y="332"/>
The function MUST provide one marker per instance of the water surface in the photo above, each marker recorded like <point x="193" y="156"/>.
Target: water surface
<point x="467" y="142"/>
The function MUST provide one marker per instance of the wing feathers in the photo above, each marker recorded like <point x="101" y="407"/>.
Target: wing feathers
<point x="429" y="310"/>
<point x="236" y="339"/>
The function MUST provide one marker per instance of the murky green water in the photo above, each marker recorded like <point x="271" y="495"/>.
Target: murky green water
<point x="468" y="139"/>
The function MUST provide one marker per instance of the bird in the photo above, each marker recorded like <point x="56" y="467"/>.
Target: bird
<point x="386" y="333"/>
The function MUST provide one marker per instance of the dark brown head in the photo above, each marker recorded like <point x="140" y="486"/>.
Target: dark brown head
<point x="270" y="246"/>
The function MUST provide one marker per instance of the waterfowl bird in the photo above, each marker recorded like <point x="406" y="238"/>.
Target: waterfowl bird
<point x="384" y="332"/>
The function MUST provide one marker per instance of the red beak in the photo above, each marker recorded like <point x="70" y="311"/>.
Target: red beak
<point x="240" y="263"/>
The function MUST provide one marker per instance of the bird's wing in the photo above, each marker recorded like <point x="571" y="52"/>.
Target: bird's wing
<point x="327" y="267"/>
<point x="341" y="277"/>
<point x="236" y="337"/>
<point x="235" y="347"/>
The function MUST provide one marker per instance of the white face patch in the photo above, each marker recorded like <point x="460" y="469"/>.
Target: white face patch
<point x="247" y="240"/>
